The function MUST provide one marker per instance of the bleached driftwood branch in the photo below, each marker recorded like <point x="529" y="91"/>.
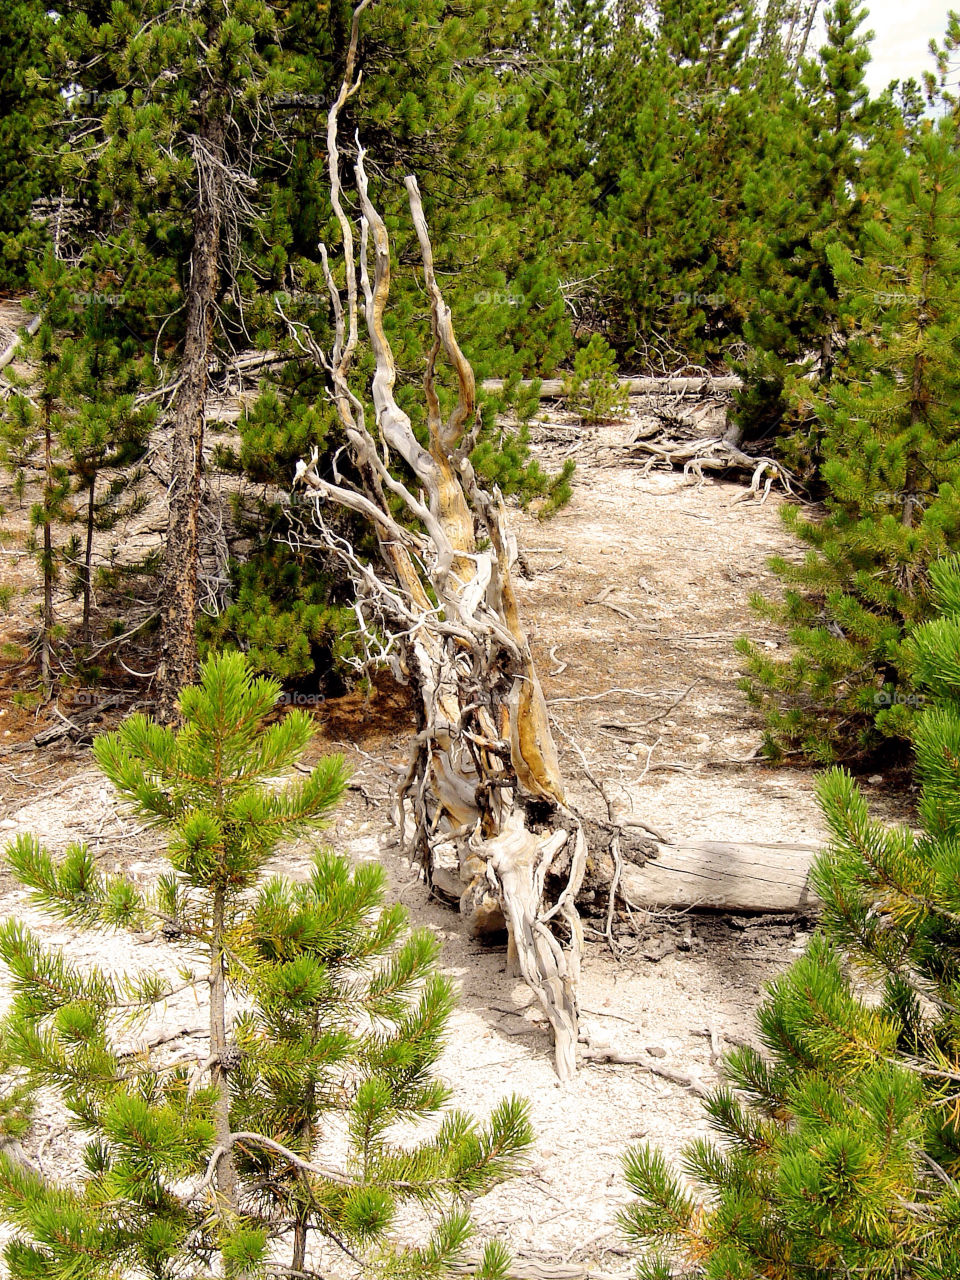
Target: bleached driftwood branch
<point x="445" y="599"/>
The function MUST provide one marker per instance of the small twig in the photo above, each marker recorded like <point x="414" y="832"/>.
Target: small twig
<point x="559" y="670"/>
<point x="654" y="1068"/>
<point x="598" y="697"/>
<point x="164" y="1037"/>
<point x="261" y="1140"/>
<point x="604" y="1013"/>
<point x="125" y="636"/>
<point x="673" y="705"/>
<point x="624" y="613"/>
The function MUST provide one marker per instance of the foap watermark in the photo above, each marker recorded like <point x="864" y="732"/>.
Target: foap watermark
<point x="897" y="699"/>
<point x="499" y="102"/>
<point x="296" y="699"/>
<point x="300" y="298"/>
<point x="498" y="298"/>
<point x="699" y="299"/>
<point x="98" y="299"/>
<point x="897" y="498"/>
<point x="98" y="98"/>
<point x="87" y="698"/>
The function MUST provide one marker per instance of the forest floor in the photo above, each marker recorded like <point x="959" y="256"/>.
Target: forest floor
<point x="683" y="561"/>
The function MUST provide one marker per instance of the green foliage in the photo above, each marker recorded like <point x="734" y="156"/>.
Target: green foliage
<point x="437" y="98"/>
<point x="891" y="468"/>
<point x="288" y="607"/>
<point x="283" y="614"/>
<point x="325" y="1015"/>
<point x="25" y="28"/>
<point x="839" y="1149"/>
<point x="665" y="122"/>
<point x="803" y="196"/>
<point x="76" y="421"/>
<point x="503" y="459"/>
<point x="592" y="388"/>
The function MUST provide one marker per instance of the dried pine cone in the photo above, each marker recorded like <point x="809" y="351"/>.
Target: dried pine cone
<point x="230" y="1057"/>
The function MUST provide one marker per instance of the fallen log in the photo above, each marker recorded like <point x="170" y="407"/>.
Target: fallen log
<point x="734" y="876"/>
<point x="76" y="725"/>
<point x="724" y="384"/>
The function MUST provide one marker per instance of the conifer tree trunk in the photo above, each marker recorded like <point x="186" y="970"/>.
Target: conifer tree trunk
<point x="86" y="569"/>
<point x="46" y="638"/>
<point x="178" y="659"/>
<point x="226" y="1165"/>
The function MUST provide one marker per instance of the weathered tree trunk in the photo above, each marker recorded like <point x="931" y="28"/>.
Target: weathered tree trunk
<point x="483" y="795"/>
<point x="86" y="569"/>
<point x="47" y="623"/>
<point x="178" y="652"/>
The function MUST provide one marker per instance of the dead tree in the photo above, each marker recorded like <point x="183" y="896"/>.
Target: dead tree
<point x="483" y="796"/>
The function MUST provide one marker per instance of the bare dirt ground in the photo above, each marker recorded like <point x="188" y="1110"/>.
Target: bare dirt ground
<point x="683" y="561"/>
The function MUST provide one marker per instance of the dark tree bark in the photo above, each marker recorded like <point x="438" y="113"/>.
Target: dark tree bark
<point x="46" y="638"/>
<point x="178" y="655"/>
<point x="86" y="569"/>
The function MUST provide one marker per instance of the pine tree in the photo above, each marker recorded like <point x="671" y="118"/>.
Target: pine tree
<point x="105" y="437"/>
<point x="891" y="469"/>
<point x="25" y="27"/>
<point x="839" y="1150"/>
<point x="325" y="1017"/>
<point x="940" y="86"/>
<point x="803" y="197"/>
<point x="592" y="389"/>
<point x="175" y="127"/>
<point x="672" y="129"/>
<point x="31" y="425"/>
<point x="75" y="419"/>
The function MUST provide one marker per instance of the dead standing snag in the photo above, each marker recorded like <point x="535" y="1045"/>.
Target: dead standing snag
<point x="445" y="599"/>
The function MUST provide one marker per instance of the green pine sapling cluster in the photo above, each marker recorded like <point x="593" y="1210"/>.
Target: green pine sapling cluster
<point x="294" y="1132"/>
<point x="71" y="436"/>
<point x="840" y="1146"/>
<point x="592" y="388"/>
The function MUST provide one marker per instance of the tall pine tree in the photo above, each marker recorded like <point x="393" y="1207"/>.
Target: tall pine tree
<point x="802" y="198"/>
<point x="891" y="469"/>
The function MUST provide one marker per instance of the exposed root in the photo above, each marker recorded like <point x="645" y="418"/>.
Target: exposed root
<point x="699" y="441"/>
<point x="715" y="453"/>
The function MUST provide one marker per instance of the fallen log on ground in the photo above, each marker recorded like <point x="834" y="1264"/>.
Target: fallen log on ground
<point x="722" y="874"/>
<point x="78" y="725"/>
<point x="673" y="442"/>
<point x="552" y="388"/>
